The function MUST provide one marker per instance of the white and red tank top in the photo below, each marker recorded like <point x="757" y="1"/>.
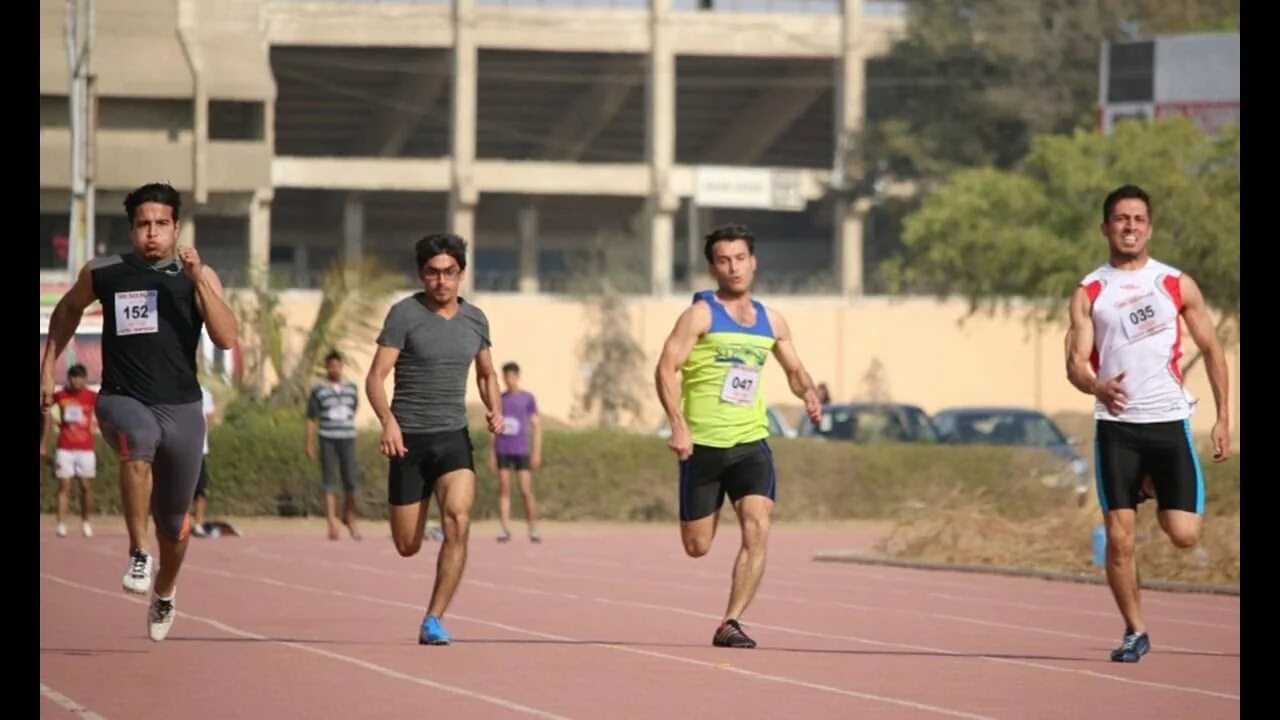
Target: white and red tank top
<point x="1137" y="331"/>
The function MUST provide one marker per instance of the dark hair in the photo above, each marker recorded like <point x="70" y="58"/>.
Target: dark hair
<point x="162" y="193"/>
<point x="438" y="243"/>
<point x="333" y="355"/>
<point x="1124" y="192"/>
<point x="77" y="370"/>
<point x="511" y="368"/>
<point x="729" y="232"/>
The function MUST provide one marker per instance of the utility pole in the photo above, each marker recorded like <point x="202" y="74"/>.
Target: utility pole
<point x="83" y="101"/>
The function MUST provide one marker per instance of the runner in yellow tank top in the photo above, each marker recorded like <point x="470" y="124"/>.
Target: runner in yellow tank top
<point x="717" y="413"/>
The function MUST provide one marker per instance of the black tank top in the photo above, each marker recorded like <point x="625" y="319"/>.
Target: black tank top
<point x="150" y="329"/>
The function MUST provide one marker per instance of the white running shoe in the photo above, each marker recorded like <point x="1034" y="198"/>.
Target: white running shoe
<point x="137" y="577"/>
<point x="87" y="529"/>
<point x="62" y="530"/>
<point x="160" y="616"/>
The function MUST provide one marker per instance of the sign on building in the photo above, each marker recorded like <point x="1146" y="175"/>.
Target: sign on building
<point x="747" y="187"/>
<point x="1195" y="75"/>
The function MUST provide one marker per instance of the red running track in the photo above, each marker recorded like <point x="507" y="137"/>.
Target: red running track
<point x="614" y="623"/>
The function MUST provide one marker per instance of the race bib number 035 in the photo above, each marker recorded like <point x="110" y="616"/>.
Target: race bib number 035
<point x="136" y="313"/>
<point x="740" y="385"/>
<point x="1142" y="315"/>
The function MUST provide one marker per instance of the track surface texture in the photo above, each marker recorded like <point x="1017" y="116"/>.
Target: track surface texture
<point x="606" y="622"/>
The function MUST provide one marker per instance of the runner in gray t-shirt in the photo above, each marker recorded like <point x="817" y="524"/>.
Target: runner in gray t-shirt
<point x="430" y="340"/>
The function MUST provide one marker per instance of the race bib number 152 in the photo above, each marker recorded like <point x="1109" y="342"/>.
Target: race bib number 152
<point x="136" y="313"/>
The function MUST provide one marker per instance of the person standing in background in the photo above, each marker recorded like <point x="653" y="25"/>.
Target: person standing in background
<point x="331" y="413"/>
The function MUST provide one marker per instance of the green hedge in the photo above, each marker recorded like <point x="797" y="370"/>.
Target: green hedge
<point x="258" y="467"/>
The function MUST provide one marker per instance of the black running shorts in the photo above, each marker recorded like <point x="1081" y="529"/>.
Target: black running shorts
<point x="710" y="473"/>
<point x="1126" y="452"/>
<point x="513" y="462"/>
<point x="412" y="478"/>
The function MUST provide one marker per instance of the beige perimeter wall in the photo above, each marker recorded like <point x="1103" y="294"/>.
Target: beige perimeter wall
<point x="928" y="353"/>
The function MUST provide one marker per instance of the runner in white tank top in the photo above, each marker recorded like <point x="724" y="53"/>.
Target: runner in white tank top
<point x="1124" y="348"/>
<point x="1137" y="333"/>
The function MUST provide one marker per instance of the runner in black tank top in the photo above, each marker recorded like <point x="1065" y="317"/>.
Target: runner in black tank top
<point x="151" y="329"/>
<point x="155" y="302"/>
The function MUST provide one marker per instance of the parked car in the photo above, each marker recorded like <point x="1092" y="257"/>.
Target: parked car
<point x="1015" y="426"/>
<point x="778" y="425"/>
<point x="872" y="422"/>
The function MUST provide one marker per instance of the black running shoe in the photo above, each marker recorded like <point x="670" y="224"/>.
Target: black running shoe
<point x="730" y="634"/>
<point x="1131" y="650"/>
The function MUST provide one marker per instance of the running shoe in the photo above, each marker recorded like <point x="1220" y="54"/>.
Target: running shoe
<point x="160" y="616"/>
<point x="137" y="576"/>
<point x="730" y="634"/>
<point x="433" y="633"/>
<point x="1135" y="645"/>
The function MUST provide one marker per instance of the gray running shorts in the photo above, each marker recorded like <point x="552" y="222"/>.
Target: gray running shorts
<point x="171" y="438"/>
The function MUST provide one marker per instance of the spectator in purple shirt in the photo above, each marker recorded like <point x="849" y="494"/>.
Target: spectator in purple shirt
<point x="517" y="447"/>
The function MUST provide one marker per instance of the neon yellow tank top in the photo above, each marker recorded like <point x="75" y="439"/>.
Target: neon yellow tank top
<point x="720" y="381"/>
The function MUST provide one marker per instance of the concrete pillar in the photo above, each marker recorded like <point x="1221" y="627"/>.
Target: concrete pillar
<point x="700" y="219"/>
<point x="660" y="147"/>
<point x="463" y="194"/>
<point x="693" y="229"/>
<point x="662" y="229"/>
<point x="189" y="38"/>
<point x="353" y="228"/>
<point x="851" y="83"/>
<point x="187" y="230"/>
<point x="260" y="237"/>
<point x="850" y="218"/>
<point x="301" y="266"/>
<point x="527" y="232"/>
<point x="462" y="222"/>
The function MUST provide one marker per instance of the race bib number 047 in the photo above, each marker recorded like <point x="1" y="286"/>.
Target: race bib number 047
<point x="740" y="385"/>
<point x="136" y="313"/>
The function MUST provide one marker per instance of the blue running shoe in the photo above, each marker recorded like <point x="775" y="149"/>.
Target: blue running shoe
<point x="433" y="633"/>
<point x="1135" y="645"/>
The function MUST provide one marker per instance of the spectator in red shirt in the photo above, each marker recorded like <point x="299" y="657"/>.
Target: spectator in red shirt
<point x="74" y="457"/>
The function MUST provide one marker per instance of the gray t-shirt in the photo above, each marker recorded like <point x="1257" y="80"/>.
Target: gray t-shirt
<point x="435" y="355"/>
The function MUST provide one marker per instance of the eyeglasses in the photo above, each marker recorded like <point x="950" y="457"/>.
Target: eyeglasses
<point x="448" y="273"/>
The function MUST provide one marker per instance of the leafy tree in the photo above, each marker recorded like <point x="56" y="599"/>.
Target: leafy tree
<point x="613" y="360"/>
<point x="351" y="296"/>
<point x="995" y="236"/>
<point x="972" y="82"/>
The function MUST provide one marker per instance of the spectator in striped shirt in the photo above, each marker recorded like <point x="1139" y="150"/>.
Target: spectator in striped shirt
<point x="331" y="413"/>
